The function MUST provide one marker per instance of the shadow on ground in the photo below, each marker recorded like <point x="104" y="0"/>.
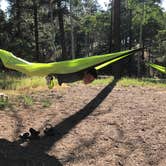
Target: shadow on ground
<point x="35" y="152"/>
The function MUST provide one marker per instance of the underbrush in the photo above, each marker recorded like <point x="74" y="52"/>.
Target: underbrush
<point x="150" y="82"/>
<point x="14" y="83"/>
<point x="126" y="81"/>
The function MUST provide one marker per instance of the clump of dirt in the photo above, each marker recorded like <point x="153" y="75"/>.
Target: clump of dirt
<point x="93" y="125"/>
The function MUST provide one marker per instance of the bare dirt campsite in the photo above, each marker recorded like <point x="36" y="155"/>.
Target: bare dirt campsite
<point x="96" y="125"/>
<point x="107" y="122"/>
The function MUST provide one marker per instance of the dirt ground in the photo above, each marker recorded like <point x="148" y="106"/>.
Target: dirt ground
<point x="92" y="125"/>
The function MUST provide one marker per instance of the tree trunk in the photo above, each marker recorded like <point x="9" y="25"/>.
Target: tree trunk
<point x="52" y="26"/>
<point x="115" y="43"/>
<point x="130" y="66"/>
<point x="140" y="42"/>
<point x="62" y="31"/>
<point x="35" y="17"/>
<point x="72" y="33"/>
<point x="130" y="28"/>
<point x="87" y="51"/>
<point x="18" y="17"/>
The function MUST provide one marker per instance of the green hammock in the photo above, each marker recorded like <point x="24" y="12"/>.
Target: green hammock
<point x="64" y="67"/>
<point x="111" y="61"/>
<point x="157" y="67"/>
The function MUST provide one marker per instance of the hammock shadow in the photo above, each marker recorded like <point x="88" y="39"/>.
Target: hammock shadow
<point x="67" y="124"/>
<point x="35" y="152"/>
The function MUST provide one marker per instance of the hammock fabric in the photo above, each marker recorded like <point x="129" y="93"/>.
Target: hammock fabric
<point x="64" y="67"/>
<point x="158" y="67"/>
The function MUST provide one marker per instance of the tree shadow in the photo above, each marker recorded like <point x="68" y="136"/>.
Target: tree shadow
<point x="35" y="152"/>
<point x="13" y="154"/>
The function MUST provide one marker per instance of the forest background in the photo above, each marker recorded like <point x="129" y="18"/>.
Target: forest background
<point x="45" y="31"/>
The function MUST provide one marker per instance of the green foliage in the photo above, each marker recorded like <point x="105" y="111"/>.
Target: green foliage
<point x="149" y="82"/>
<point x="126" y="81"/>
<point x="14" y="82"/>
<point x="46" y="103"/>
<point x="4" y="102"/>
<point x="27" y="100"/>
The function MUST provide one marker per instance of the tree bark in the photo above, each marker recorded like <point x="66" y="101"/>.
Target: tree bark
<point x="130" y="66"/>
<point x="52" y="26"/>
<point x="18" y="17"/>
<point x="35" y="17"/>
<point x="62" y="31"/>
<point x="115" y="42"/>
<point x="130" y="28"/>
<point x="72" y="32"/>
